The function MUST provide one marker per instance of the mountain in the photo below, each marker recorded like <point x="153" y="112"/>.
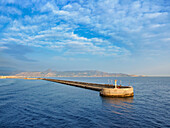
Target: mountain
<point x="88" y="73"/>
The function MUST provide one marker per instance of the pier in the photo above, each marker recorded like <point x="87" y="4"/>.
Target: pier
<point x="105" y="89"/>
<point x="91" y="86"/>
<point x="108" y="90"/>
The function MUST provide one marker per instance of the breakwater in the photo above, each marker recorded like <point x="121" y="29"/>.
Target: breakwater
<point x="105" y="89"/>
<point x="38" y="103"/>
<point x="92" y="86"/>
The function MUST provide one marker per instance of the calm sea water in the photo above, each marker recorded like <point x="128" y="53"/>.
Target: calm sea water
<point x="38" y="103"/>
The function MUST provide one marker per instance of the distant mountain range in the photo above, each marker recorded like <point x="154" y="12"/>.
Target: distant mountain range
<point x="88" y="73"/>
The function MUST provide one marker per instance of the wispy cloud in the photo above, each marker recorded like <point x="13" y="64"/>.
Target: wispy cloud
<point x="57" y="37"/>
<point x="3" y="47"/>
<point x="65" y="58"/>
<point x="114" y="28"/>
<point x="18" y="51"/>
<point x="10" y="10"/>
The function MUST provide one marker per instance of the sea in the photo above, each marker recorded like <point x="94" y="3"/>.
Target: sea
<point x="45" y="104"/>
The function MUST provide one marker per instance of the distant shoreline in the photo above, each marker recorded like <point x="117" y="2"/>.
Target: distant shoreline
<point x="39" y="77"/>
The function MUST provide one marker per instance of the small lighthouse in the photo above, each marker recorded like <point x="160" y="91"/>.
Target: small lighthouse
<point x="115" y="83"/>
<point x="117" y="91"/>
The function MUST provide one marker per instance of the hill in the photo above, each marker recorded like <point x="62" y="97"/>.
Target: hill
<point x="88" y="73"/>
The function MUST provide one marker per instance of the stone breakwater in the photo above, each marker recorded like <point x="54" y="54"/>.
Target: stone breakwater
<point x="105" y="89"/>
<point x="92" y="86"/>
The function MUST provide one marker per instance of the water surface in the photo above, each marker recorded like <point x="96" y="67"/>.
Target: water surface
<point x="38" y="103"/>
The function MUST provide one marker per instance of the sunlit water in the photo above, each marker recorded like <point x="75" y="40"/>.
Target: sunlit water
<point x="38" y="103"/>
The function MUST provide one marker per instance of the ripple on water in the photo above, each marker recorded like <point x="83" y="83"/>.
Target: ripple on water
<point x="25" y="103"/>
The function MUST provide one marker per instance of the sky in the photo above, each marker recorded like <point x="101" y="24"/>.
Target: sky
<point x="118" y="36"/>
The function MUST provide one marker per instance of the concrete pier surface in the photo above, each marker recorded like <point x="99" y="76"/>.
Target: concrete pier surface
<point x="117" y="92"/>
<point x="92" y="86"/>
<point x="105" y="89"/>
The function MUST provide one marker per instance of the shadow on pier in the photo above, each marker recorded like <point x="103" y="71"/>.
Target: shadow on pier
<point x="92" y="86"/>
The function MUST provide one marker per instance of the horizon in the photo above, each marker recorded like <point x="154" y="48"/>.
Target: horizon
<point x="129" y="37"/>
<point x="84" y="71"/>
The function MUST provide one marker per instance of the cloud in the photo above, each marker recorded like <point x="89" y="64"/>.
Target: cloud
<point x="4" y="19"/>
<point x="18" y="51"/>
<point x="117" y="26"/>
<point x="10" y="10"/>
<point x="3" y="47"/>
<point x="155" y="15"/>
<point x="110" y="30"/>
<point x="8" y="1"/>
<point x="157" y="25"/>
<point x="65" y="58"/>
<point x="75" y="36"/>
<point x="48" y="7"/>
<point x="58" y="37"/>
<point x="166" y="39"/>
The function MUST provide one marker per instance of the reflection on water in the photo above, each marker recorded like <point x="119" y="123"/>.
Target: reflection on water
<point x="117" y="100"/>
<point x="118" y="105"/>
<point x="28" y="103"/>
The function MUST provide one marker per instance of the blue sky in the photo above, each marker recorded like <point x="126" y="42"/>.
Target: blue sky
<point x="119" y="36"/>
